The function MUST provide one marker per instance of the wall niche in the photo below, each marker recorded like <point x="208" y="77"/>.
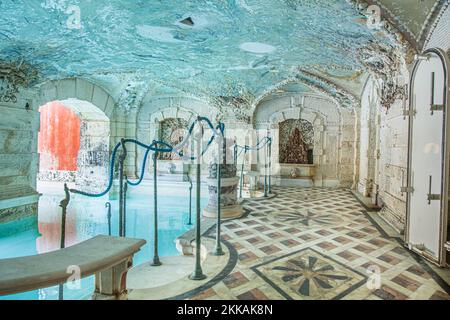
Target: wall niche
<point x="296" y="142"/>
<point x="173" y="131"/>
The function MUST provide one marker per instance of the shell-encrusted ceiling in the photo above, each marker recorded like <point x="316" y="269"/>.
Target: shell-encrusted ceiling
<point x="204" y="48"/>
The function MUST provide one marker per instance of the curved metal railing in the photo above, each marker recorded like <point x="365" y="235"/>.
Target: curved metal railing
<point x="266" y="143"/>
<point x="158" y="147"/>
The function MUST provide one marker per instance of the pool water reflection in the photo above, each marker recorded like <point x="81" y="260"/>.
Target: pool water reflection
<point x="87" y="217"/>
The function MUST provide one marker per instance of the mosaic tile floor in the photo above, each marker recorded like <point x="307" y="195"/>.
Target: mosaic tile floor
<point x="319" y="244"/>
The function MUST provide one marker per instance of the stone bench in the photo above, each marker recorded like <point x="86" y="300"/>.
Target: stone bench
<point x="109" y="258"/>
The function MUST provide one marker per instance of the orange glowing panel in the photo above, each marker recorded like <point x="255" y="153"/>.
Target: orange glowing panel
<point x="59" y="138"/>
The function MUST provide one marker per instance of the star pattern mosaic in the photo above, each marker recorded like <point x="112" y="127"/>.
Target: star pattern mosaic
<point x="309" y="274"/>
<point x="279" y="259"/>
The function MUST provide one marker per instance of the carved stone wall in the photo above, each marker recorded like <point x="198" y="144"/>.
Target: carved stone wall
<point x="157" y="109"/>
<point x="19" y="124"/>
<point x="335" y="139"/>
<point x="384" y="151"/>
<point x="93" y="157"/>
<point x="19" y="127"/>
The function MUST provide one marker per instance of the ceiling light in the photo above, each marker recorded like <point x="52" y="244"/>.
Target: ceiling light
<point x="257" y="47"/>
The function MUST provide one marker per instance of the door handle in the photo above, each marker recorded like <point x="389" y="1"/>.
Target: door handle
<point x="431" y="196"/>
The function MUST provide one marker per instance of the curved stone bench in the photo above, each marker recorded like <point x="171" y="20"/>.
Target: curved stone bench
<point x="109" y="258"/>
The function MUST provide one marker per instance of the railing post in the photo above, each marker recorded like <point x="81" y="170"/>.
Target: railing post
<point x="63" y="204"/>
<point x="156" y="261"/>
<point x="198" y="272"/>
<point x="109" y="216"/>
<point x="221" y="156"/>
<point x="122" y="158"/>
<point x="125" y="190"/>
<point x="270" y="165"/>
<point x="265" y="171"/>
<point x="241" y="182"/>
<point x="190" y="198"/>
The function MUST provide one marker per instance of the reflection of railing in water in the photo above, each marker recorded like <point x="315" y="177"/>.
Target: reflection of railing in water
<point x="265" y="143"/>
<point x="109" y="216"/>
<point x="160" y="147"/>
<point x="63" y="204"/>
<point x="188" y="176"/>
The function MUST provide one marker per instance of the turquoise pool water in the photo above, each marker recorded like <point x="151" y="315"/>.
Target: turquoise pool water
<point x="86" y="218"/>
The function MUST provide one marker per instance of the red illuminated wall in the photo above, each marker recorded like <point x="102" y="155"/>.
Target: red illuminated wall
<point x="59" y="138"/>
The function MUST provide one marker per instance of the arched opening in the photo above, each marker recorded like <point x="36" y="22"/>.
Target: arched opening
<point x="73" y="145"/>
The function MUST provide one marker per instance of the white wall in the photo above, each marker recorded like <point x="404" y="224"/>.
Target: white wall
<point x="383" y="154"/>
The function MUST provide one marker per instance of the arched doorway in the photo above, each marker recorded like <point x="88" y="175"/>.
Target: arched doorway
<point x="73" y="144"/>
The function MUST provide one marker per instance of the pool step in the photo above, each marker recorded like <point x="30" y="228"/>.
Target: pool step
<point x="186" y="242"/>
<point x="172" y="177"/>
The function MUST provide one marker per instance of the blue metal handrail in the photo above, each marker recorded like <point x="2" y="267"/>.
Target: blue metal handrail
<point x="154" y="146"/>
<point x="264" y="142"/>
<point x="157" y="147"/>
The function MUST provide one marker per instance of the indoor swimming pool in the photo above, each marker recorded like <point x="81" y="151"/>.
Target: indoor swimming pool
<point x="88" y="217"/>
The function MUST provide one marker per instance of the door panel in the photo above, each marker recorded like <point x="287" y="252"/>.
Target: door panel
<point x="427" y="153"/>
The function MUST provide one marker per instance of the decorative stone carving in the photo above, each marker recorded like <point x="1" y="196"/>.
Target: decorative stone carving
<point x="173" y="131"/>
<point x="230" y="208"/>
<point x="236" y="97"/>
<point x="226" y="170"/>
<point x="133" y="94"/>
<point x="386" y="27"/>
<point x="384" y="63"/>
<point x="296" y="140"/>
<point x="295" y="172"/>
<point x="12" y="76"/>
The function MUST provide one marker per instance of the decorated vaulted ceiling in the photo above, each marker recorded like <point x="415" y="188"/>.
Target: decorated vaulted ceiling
<point x="204" y="48"/>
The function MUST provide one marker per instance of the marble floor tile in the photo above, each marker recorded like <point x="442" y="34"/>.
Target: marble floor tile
<point x="318" y="243"/>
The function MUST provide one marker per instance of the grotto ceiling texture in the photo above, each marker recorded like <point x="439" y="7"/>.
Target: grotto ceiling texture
<point x="223" y="50"/>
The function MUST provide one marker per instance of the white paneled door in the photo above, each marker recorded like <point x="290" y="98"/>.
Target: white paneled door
<point x="428" y="152"/>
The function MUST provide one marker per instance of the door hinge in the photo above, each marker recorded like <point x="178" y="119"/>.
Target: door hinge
<point x="433" y="197"/>
<point x="409" y="113"/>
<point x="436" y="107"/>
<point x="407" y="190"/>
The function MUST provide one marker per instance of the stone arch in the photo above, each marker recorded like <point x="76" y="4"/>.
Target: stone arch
<point x="77" y="88"/>
<point x="158" y="109"/>
<point x="292" y="113"/>
<point x="439" y="30"/>
<point x="334" y="133"/>
<point x="97" y="122"/>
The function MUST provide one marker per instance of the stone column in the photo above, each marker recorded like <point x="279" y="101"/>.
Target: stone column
<point x="228" y="193"/>
<point x="111" y="284"/>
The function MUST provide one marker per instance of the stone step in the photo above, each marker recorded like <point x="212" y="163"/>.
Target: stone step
<point x="172" y="177"/>
<point x="17" y="191"/>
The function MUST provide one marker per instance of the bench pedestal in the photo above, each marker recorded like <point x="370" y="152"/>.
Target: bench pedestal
<point x="111" y="283"/>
